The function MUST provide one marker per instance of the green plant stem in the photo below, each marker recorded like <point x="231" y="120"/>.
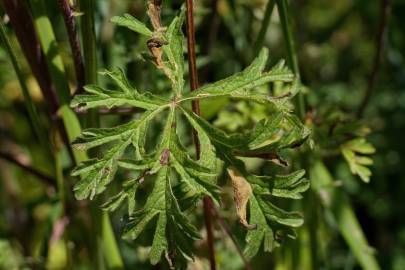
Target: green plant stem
<point x="88" y="35"/>
<point x="264" y="26"/>
<point x="57" y="72"/>
<point x="105" y="232"/>
<point x="89" y="40"/>
<point x="339" y="203"/>
<point x="23" y="26"/>
<point x="110" y="245"/>
<point x="69" y="118"/>
<point x="228" y="231"/>
<point x="336" y="201"/>
<point x="282" y="7"/>
<point x="36" y="124"/>
<point x="207" y="201"/>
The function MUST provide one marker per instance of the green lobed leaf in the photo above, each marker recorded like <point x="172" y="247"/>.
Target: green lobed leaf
<point x="127" y="193"/>
<point x="179" y="181"/>
<point x="174" y="53"/>
<point x="353" y="152"/>
<point x="262" y="232"/>
<point x="240" y="85"/>
<point x="281" y="131"/>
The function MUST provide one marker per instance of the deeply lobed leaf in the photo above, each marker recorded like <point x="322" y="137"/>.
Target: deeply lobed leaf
<point x="354" y="152"/>
<point x="179" y="181"/>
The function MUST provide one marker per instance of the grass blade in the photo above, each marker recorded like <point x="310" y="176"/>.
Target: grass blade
<point x="336" y="201"/>
<point x="36" y="124"/>
<point x="284" y="14"/>
<point x="264" y="26"/>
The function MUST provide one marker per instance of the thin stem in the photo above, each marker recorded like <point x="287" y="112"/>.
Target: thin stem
<point x="74" y="43"/>
<point x="282" y="7"/>
<point x="88" y="34"/>
<point x="337" y="201"/>
<point x="106" y="243"/>
<point x="228" y="231"/>
<point x="23" y="26"/>
<point x="47" y="180"/>
<point x="110" y="244"/>
<point x="265" y="25"/>
<point x="207" y="204"/>
<point x="89" y="40"/>
<point x="207" y="201"/>
<point x="36" y="124"/>
<point x="379" y="44"/>
<point x="48" y="42"/>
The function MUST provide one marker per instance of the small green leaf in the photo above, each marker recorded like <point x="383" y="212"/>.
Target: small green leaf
<point x="132" y="23"/>
<point x="263" y="232"/>
<point x="128" y="193"/>
<point x="352" y="151"/>
<point x="174" y="53"/>
<point x="276" y="214"/>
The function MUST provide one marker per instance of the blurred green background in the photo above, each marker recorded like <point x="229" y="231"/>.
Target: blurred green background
<point x="336" y="44"/>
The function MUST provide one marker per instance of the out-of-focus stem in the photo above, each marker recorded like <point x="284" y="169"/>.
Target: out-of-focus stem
<point x="379" y="47"/>
<point x="228" y="231"/>
<point x="88" y="38"/>
<point x="36" y="124"/>
<point x="74" y="43"/>
<point x="22" y="22"/>
<point x="264" y="26"/>
<point x="105" y="233"/>
<point x="282" y="7"/>
<point x="87" y="7"/>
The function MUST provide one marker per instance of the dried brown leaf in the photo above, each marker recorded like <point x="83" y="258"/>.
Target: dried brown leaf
<point x="241" y="194"/>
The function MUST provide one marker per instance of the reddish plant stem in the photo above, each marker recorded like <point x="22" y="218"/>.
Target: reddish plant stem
<point x="23" y="26"/>
<point x="74" y="43"/>
<point x="22" y="22"/>
<point x="379" y="44"/>
<point x="192" y="67"/>
<point x="207" y="201"/>
<point x="207" y="204"/>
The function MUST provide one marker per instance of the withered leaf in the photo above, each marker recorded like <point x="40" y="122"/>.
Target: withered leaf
<point x="241" y="194"/>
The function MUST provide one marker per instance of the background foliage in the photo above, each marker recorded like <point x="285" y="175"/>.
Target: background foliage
<point x="335" y="42"/>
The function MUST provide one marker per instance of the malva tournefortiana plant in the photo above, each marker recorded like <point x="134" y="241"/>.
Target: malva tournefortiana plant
<point x="181" y="179"/>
